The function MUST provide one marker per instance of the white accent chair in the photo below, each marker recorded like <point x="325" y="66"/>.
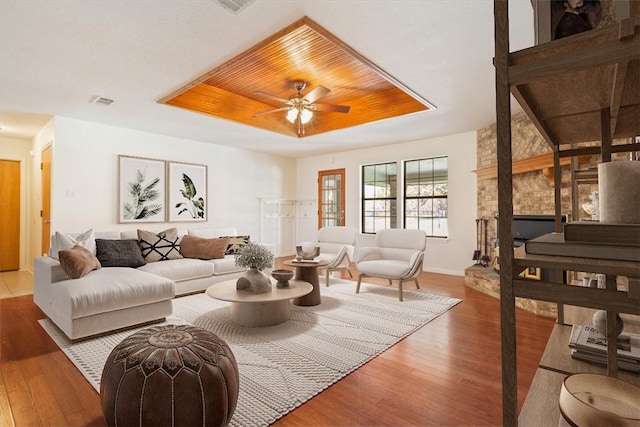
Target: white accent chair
<point x="337" y="244"/>
<point x="398" y="254"/>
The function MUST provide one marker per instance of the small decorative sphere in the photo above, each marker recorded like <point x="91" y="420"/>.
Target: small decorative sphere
<point x="170" y="375"/>
<point x="283" y="277"/>
<point x="599" y="321"/>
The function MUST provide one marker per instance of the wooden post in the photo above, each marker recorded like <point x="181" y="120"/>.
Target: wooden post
<point x="556" y="275"/>
<point x="605" y="132"/>
<point x="505" y="212"/>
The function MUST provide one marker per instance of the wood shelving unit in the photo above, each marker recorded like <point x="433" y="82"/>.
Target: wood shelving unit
<point x="576" y="90"/>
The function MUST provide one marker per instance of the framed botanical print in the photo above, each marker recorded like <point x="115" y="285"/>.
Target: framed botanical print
<point x="141" y="189"/>
<point x="187" y="192"/>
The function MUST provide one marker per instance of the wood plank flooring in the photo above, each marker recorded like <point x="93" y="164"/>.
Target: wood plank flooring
<point x="445" y="374"/>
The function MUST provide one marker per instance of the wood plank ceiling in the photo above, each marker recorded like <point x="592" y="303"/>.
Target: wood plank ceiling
<point x="301" y="51"/>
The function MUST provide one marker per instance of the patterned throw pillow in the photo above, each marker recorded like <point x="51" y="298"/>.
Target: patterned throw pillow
<point x="235" y="243"/>
<point x="160" y="246"/>
<point x="119" y="253"/>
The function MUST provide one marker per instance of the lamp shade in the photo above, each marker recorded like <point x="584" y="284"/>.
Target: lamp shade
<point x="305" y="114"/>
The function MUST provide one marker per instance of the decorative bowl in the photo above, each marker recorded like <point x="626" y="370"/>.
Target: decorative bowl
<point x="283" y="277"/>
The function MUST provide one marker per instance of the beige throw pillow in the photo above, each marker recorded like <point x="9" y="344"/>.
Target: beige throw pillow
<point x="62" y="241"/>
<point x="160" y="246"/>
<point x="201" y="248"/>
<point x="77" y="262"/>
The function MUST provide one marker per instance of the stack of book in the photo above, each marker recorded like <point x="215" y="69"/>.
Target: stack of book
<point x="590" y="239"/>
<point x="589" y="345"/>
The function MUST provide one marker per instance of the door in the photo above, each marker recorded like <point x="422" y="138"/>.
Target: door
<point x="45" y="214"/>
<point x="331" y="197"/>
<point x="10" y="215"/>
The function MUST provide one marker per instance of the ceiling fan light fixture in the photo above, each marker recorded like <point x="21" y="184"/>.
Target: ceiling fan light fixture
<point x="305" y="115"/>
<point x="292" y="114"/>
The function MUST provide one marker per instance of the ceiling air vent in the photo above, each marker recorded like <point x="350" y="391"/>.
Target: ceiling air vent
<point x="101" y="100"/>
<point x="235" y="5"/>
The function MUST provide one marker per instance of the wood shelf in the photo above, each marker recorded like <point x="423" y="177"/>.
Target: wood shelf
<point x="541" y="405"/>
<point x="565" y="84"/>
<point x="543" y="162"/>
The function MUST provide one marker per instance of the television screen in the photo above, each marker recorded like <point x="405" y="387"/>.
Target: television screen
<point x="527" y="227"/>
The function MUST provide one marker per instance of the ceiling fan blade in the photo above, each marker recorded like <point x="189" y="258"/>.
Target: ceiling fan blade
<point x="272" y="111"/>
<point x="316" y="93"/>
<point x="272" y="97"/>
<point x="331" y="108"/>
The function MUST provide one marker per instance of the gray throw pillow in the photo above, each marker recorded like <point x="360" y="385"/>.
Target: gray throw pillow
<point x="119" y="253"/>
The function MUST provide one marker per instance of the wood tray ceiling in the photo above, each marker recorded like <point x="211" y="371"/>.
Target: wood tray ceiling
<point x="301" y="51"/>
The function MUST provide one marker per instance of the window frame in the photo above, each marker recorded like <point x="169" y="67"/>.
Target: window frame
<point x="433" y="181"/>
<point x="391" y="217"/>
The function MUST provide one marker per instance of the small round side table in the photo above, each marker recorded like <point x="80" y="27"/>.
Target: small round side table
<point x="308" y="271"/>
<point x="170" y="375"/>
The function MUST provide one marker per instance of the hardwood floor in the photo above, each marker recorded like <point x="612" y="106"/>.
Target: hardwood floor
<point x="445" y="374"/>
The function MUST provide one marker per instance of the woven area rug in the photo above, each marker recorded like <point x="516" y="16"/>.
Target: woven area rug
<point x="285" y="365"/>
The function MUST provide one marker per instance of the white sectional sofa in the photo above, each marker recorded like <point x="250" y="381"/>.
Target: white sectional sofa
<point x="112" y="298"/>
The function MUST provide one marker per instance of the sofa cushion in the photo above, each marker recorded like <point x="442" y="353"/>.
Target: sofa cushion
<point x="159" y="246"/>
<point x="225" y="265"/>
<point x="110" y="289"/>
<point x="60" y="241"/>
<point x="180" y="269"/>
<point x="198" y="247"/>
<point x="119" y="253"/>
<point x="235" y="243"/>
<point x="385" y="268"/>
<point x="77" y="262"/>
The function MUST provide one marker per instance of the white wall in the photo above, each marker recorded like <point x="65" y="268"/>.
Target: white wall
<point x="18" y="149"/>
<point x="85" y="177"/>
<point x="449" y="256"/>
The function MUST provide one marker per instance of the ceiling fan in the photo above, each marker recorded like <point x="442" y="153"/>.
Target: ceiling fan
<point x="300" y="107"/>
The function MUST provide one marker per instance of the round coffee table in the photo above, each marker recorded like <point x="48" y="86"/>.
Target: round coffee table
<point x="257" y="310"/>
<point x="308" y="271"/>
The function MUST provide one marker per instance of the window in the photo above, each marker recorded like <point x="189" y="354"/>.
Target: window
<point x="426" y="190"/>
<point x="379" y="204"/>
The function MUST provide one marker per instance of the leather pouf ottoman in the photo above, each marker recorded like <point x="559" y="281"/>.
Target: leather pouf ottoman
<point x="173" y="375"/>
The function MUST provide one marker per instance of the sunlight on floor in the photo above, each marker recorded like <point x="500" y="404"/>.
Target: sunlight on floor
<point x="16" y="283"/>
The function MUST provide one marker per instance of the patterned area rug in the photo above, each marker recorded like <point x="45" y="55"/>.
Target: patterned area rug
<point x="285" y="365"/>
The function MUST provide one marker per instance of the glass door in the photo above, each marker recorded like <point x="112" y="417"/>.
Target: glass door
<point x="331" y="197"/>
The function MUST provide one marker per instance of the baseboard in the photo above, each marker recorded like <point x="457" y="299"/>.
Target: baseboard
<point x="444" y="271"/>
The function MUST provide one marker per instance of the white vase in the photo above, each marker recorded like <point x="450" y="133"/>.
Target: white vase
<point x="255" y="280"/>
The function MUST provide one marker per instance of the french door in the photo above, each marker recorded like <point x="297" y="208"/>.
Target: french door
<point x="331" y="200"/>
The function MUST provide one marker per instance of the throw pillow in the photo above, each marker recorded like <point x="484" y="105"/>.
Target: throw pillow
<point x="235" y="243"/>
<point x="198" y="247"/>
<point x="119" y="253"/>
<point x="159" y="246"/>
<point x="77" y="262"/>
<point x="67" y="241"/>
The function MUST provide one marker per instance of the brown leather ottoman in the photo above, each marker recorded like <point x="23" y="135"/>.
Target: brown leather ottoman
<point x="170" y="376"/>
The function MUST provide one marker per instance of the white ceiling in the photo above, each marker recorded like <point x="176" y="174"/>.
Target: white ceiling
<point x="55" y="56"/>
